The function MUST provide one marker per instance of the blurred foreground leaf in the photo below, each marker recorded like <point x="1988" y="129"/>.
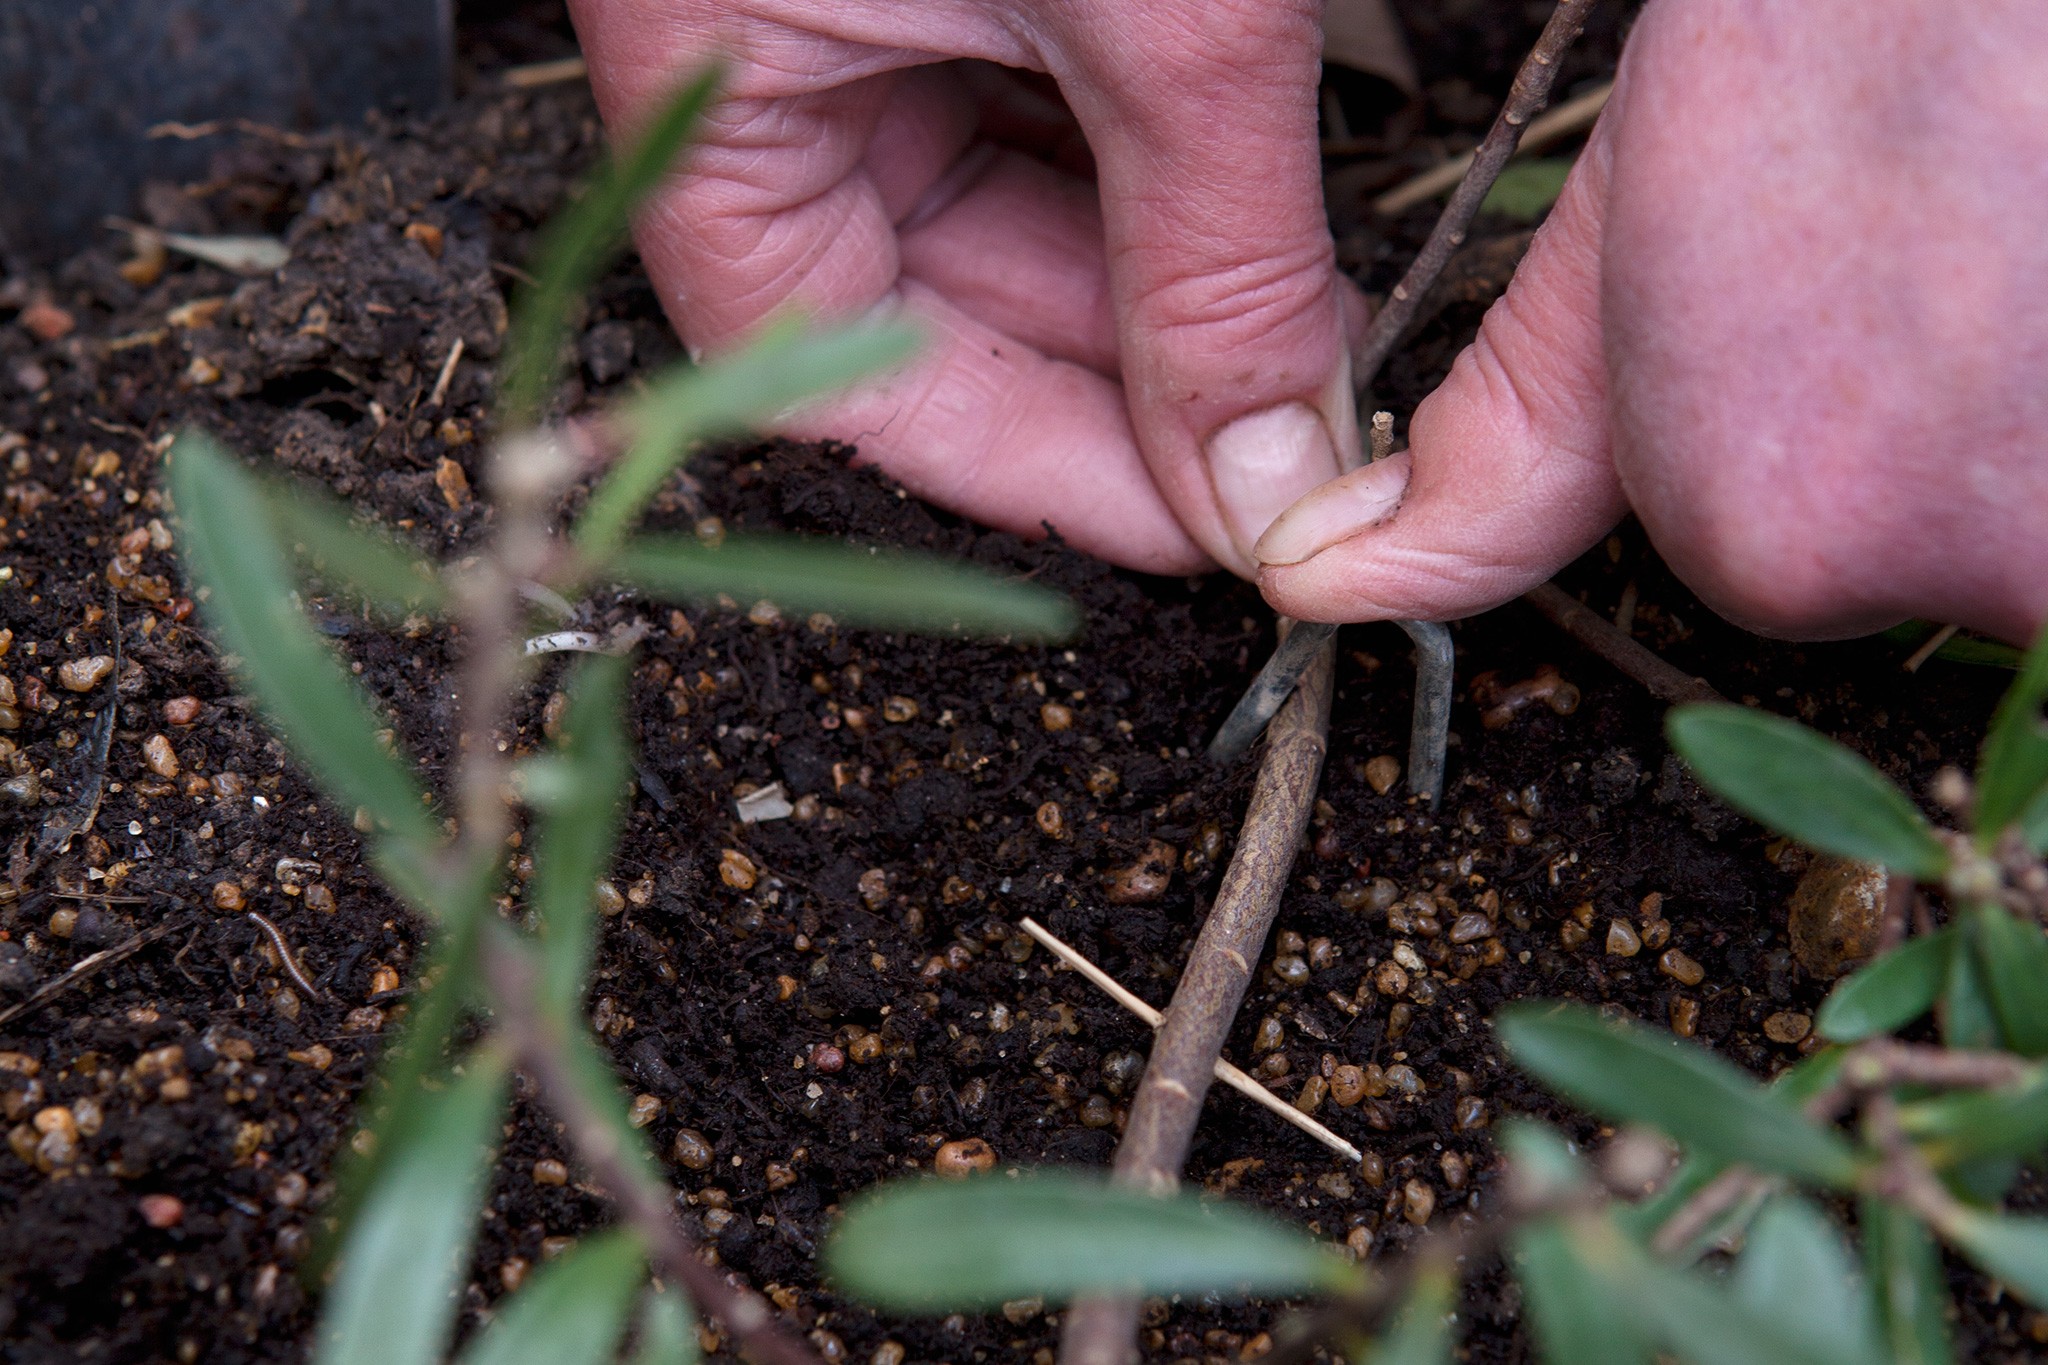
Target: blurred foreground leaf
<point x="1796" y="1272"/>
<point x="1888" y="993"/>
<point x="1906" y="1280"/>
<point x="928" y="1246"/>
<point x="784" y="365"/>
<point x="1801" y="783"/>
<point x="2008" y="1248"/>
<point x="571" y="1312"/>
<point x="393" y="1300"/>
<point x="889" y="590"/>
<point x="2013" y="958"/>
<point x="1575" y="1318"/>
<point x="577" y="826"/>
<point x="668" y="1330"/>
<point x="352" y="557"/>
<point x="1421" y="1330"/>
<point x="1626" y="1073"/>
<point x="579" y="243"/>
<point x="236" y="554"/>
<point x="2013" y="771"/>
<point x="1966" y="1124"/>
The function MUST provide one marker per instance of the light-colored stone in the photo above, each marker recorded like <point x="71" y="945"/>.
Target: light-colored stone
<point x="1835" y="914"/>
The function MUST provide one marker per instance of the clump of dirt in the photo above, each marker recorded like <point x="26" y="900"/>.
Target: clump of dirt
<point x="810" y="1004"/>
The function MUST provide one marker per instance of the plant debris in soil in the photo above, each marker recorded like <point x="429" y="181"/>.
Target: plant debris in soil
<point x="808" y="1004"/>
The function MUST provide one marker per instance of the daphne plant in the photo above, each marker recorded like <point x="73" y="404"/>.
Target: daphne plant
<point x="1707" y="1230"/>
<point x="499" y="993"/>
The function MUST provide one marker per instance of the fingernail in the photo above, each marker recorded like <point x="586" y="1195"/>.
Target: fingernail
<point x="1262" y="462"/>
<point x="1338" y="510"/>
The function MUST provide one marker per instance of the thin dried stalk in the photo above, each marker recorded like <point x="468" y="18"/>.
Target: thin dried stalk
<point x="1169" y="1100"/>
<point x="1663" y="681"/>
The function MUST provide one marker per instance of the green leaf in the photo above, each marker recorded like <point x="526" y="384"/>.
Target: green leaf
<point x="1803" y="784"/>
<point x="393" y="1300"/>
<point x="1968" y="1018"/>
<point x="1964" y="1125"/>
<point x="1575" y="1316"/>
<point x="1904" y="1266"/>
<point x="352" y="556"/>
<point x="578" y="828"/>
<point x="2013" y="771"/>
<point x="1888" y="993"/>
<point x="1525" y="190"/>
<point x="1421" y="1331"/>
<point x="786" y="364"/>
<point x="929" y="1246"/>
<point x="581" y="241"/>
<point x="236" y="554"/>
<point x="1796" y="1272"/>
<point x="573" y="1312"/>
<point x="1546" y="1168"/>
<point x="1964" y="648"/>
<point x="2009" y="1248"/>
<point x="1626" y="1073"/>
<point x="2013" y="958"/>
<point x="890" y="590"/>
<point x="668" y="1330"/>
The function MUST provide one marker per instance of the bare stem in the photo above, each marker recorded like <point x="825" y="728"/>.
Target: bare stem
<point x="645" y="1204"/>
<point x="1526" y="98"/>
<point x="1183" y="1061"/>
<point x="1595" y="632"/>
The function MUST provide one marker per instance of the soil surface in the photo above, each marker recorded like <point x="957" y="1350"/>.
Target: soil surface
<point x="944" y="790"/>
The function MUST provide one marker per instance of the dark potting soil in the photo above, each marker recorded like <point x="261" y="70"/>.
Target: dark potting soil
<point x="945" y="789"/>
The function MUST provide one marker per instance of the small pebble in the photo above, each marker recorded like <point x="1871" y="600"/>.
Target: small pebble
<point x="1143" y="881"/>
<point x="1680" y="968"/>
<point x="1389" y="979"/>
<point x="1290" y="970"/>
<point x="1685" y="1016"/>
<point x="228" y="896"/>
<point x="1469" y="1113"/>
<point x="1418" y="1202"/>
<point x="1470" y="927"/>
<point x="963" y="1157"/>
<point x="737" y="870"/>
<point x="1835" y="915"/>
<point x="63" y="920"/>
<point x="1052" y="821"/>
<point x="1788" y="1026"/>
<point x="291" y="1189"/>
<point x="1347" y="1085"/>
<point x="512" y="1273"/>
<point x="1056" y="717"/>
<point x="548" y="1171"/>
<point x="1271" y="1034"/>
<point x="611" y="901"/>
<point x="181" y="710"/>
<point x="383" y="980"/>
<point x="828" y="1059"/>
<point x="1382" y="773"/>
<point x="888" y="1353"/>
<point x="865" y="1049"/>
<point x="1622" y="939"/>
<point x="779" y="1174"/>
<point x="691" y="1150"/>
<point x="898" y="710"/>
<point x="157" y="753"/>
<point x="1097" y="1112"/>
<point x="83" y="675"/>
<point x="644" y="1110"/>
<point x="1312" y="1092"/>
<point x="161" y="1211"/>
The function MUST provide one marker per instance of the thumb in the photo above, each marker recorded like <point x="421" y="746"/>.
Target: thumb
<point x="1508" y="475"/>
<point x="1231" y="314"/>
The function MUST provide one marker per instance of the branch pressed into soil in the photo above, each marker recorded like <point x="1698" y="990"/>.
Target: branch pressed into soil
<point x="1573" y="116"/>
<point x="643" y="1202"/>
<point x="1183" y="1061"/>
<point x="1595" y="632"/>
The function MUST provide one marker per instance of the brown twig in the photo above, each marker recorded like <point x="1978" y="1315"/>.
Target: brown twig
<point x="644" y="1203"/>
<point x="1525" y="99"/>
<point x="85" y="967"/>
<point x="1596" y="633"/>
<point x="1169" y="1099"/>
<point x="1573" y="116"/>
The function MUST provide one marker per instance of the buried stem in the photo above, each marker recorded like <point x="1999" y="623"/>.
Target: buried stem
<point x="1183" y="1061"/>
<point x="1663" y="681"/>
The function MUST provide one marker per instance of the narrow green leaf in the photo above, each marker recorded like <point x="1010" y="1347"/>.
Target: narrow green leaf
<point x="929" y="1246"/>
<point x="1796" y="1272"/>
<point x="581" y="241"/>
<point x="1525" y="190"/>
<point x="1968" y="1018"/>
<point x="668" y="1330"/>
<point x="578" y="826"/>
<point x="1964" y="648"/>
<point x="1680" y="1310"/>
<point x="1963" y="1125"/>
<point x="2013" y="771"/>
<point x="1421" y="1331"/>
<point x="2034" y="823"/>
<point x="2013" y="958"/>
<point x="351" y="556"/>
<point x="889" y="590"/>
<point x="1545" y="1165"/>
<point x="1804" y="784"/>
<point x="1626" y="1073"/>
<point x="237" y="556"/>
<point x="2013" y="1249"/>
<point x="1888" y="993"/>
<point x="1904" y="1266"/>
<point x="393" y="1300"/>
<point x="573" y="1312"/>
<point x="787" y="364"/>
<point x="1575" y="1317"/>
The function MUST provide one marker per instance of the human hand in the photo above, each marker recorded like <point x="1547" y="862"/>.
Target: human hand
<point x="1156" y="370"/>
<point x="1792" y="307"/>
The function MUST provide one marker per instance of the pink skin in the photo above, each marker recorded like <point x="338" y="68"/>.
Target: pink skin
<point x="1792" y="308"/>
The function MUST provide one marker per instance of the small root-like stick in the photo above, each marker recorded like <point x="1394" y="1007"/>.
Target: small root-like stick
<point x="1573" y="116"/>
<point x="1597" y="633"/>
<point x="284" y="954"/>
<point x="85" y="967"/>
<point x="442" y="380"/>
<point x="1525" y="99"/>
<point x="1240" y="1081"/>
<point x="1931" y="648"/>
<point x="1183" y="1062"/>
